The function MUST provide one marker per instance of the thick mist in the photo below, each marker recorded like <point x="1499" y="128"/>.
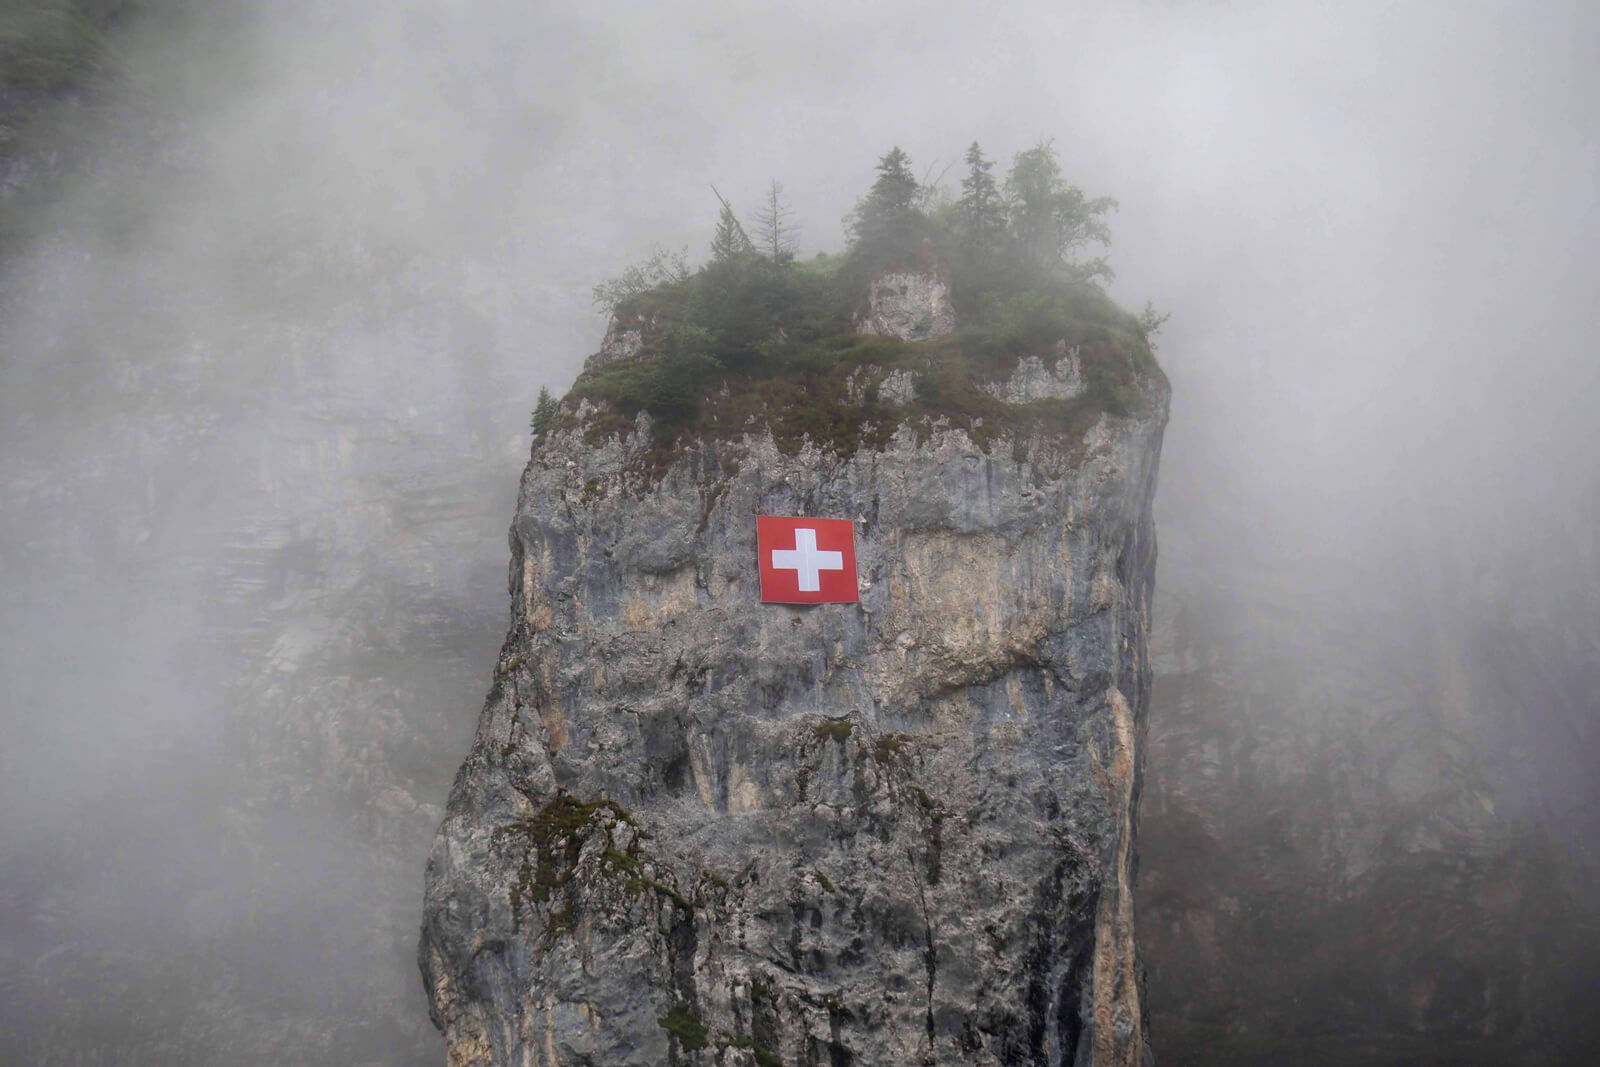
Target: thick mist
<point x="269" y="344"/>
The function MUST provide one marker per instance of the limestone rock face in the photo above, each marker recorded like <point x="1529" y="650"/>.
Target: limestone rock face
<point x="912" y="305"/>
<point x="1058" y="377"/>
<point x="624" y="337"/>
<point x="697" y="829"/>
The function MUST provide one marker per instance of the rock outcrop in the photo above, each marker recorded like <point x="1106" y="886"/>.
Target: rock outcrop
<point x="1059" y="377"/>
<point x="911" y="305"/>
<point x="697" y="829"/>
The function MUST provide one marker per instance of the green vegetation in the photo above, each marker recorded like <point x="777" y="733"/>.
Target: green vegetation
<point x="661" y="268"/>
<point x="507" y="669"/>
<point x="764" y="1056"/>
<point x="834" y="731"/>
<point x="888" y="747"/>
<point x="756" y="338"/>
<point x="886" y="222"/>
<point x="544" y="409"/>
<point x="553" y="840"/>
<point x="981" y="213"/>
<point x="1050" y="218"/>
<point x="644" y="881"/>
<point x="621" y="861"/>
<point x="684" y="1025"/>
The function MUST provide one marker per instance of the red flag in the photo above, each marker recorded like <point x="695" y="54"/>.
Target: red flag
<point x="807" y="561"/>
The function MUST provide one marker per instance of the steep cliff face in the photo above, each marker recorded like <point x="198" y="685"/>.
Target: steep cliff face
<point x="698" y="829"/>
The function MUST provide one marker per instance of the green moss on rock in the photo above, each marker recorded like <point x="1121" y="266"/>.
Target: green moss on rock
<point x="684" y="1025"/>
<point x="834" y="730"/>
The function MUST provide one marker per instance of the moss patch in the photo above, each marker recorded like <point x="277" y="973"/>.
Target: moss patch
<point x="684" y="1025"/>
<point x="834" y="731"/>
<point x="510" y="667"/>
<point x="888" y="747"/>
<point x="552" y="840"/>
<point x="764" y="1056"/>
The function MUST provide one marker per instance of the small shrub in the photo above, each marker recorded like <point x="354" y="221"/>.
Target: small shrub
<point x="684" y="1025"/>
<point x="834" y="731"/>
<point x="888" y="747"/>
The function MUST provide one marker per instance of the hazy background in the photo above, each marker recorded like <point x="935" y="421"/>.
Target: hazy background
<point x="281" y="282"/>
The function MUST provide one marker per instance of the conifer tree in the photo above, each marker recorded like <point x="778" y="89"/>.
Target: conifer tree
<point x="887" y="215"/>
<point x="543" y="411"/>
<point x="774" y="234"/>
<point x="980" y="211"/>
<point x="730" y="241"/>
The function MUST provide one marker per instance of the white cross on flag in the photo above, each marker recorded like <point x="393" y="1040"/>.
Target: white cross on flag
<point x="807" y="561"/>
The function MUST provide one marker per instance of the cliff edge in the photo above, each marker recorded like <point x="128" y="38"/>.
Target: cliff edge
<point x="699" y="829"/>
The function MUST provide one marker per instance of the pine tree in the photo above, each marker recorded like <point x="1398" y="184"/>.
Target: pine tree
<point x="887" y="215"/>
<point x="544" y="410"/>
<point x="774" y="234"/>
<point x="730" y="241"/>
<point x="980" y="211"/>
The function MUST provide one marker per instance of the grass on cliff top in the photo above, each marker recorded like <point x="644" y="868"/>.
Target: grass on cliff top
<point x="795" y="378"/>
<point x="749" y="343"/>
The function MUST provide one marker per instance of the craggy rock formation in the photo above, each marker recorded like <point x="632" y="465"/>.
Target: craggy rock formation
<point x="1060" y="377"/>
<point x="696" y="829"/>
<point x="909" y="304"/>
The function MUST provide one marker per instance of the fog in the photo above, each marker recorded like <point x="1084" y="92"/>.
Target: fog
<point x="269" y="341"/>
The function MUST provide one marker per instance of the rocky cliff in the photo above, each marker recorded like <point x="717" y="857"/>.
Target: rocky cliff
<point x="696" y="829"/>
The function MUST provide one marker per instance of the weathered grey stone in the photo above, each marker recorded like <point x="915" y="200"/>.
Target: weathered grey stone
<point x="897" y="387"/>
<point x="1060" y="377"/>
<point x="623" y="340"/>
<point x="912" y="305"/>
<point x="699" y="829"/>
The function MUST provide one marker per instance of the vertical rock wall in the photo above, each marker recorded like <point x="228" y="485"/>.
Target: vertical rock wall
<point x="694" y="828"/>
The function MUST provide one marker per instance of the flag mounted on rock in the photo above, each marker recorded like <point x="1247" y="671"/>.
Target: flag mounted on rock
<point x="807" y="561"/>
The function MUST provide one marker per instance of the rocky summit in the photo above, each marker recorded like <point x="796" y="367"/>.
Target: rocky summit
<point x="695" y="828"/>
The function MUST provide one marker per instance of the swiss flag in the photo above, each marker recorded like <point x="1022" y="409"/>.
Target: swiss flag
<point x="807" y="561"/>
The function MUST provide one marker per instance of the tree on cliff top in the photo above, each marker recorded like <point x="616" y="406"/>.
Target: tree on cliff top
<point x="1051" y="218"/>
<point x="662" y="267"/>
<point x="753" y="334"/>
<point x="730" y="241"/>
<point x="775" y="235"/>
<point x="543" y="411"/>
<point x="887" y="219"/>
<point x="980" y="213"/>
